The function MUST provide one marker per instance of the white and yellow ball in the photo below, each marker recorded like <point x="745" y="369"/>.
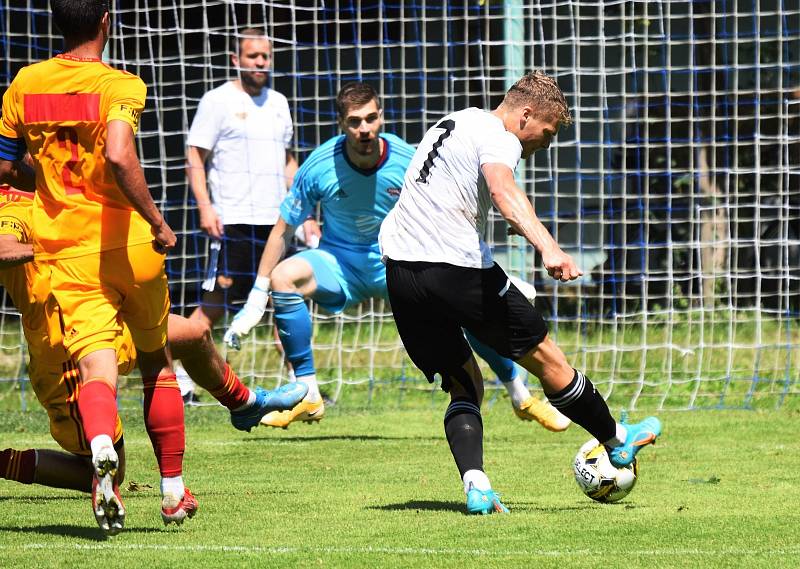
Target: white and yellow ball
<point x="598" y="478"/>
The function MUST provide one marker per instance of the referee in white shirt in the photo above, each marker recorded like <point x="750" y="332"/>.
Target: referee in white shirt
<point x="239" y="168"/>
<point x="441" y="276"/>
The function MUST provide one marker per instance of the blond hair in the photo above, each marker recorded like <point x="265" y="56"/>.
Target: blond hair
<point x="541" y="92"/>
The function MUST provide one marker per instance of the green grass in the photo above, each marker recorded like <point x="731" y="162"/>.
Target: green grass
<point x="379" y="489"/>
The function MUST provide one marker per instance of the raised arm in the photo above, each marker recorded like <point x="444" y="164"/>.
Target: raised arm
<point x="121" y="155"/>
<point x="514" y="206"/>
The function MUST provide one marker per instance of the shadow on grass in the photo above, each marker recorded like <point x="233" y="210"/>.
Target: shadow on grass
<point x="431" y="505"/>
<point x="87" y="533"/>
<point x="80" y="497"/>
<point x="363" y="438"/>
<point x="534" y="507"/>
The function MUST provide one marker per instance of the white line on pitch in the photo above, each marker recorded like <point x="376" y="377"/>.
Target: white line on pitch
<point x="399" y="550"/>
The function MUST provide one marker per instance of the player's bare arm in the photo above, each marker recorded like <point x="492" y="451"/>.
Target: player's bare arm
<point x="121" y="154"/>
<point x="210" y="222"/>
<point x="277" y="244"/>
<point x="13" y="253"/>
<point x="517" y="209"/>
<point x="18" y="174"/>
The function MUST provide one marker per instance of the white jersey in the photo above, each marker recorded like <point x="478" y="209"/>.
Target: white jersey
<point x="443" y="207"/>
<point x="247" y="138"/>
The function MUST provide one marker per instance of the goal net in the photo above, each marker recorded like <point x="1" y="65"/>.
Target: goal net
<point x="677" y="189"/>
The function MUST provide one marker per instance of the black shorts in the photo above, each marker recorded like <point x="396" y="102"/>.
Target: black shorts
<point x="432" y="302"/>
<point x="239" y="256"/>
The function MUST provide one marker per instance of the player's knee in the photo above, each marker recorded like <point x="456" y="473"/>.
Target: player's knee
<point x="292" y="275"/>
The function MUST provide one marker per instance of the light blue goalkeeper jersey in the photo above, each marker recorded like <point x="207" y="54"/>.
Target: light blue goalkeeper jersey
<point x="354" y="201"/>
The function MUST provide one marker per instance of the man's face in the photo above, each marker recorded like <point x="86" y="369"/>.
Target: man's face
<point x="537" y="133"/>
<point x="254" y="61"/>
<point x="361" y="125"/>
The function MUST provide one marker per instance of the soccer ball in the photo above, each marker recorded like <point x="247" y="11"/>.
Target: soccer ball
<point x="598" y="478"/>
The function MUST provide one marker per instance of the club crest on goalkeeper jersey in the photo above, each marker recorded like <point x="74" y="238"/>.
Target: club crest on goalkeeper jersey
<point x="58" y="111"/>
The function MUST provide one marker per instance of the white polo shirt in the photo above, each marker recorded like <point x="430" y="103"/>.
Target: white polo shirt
<point x="443" y="207"/>
<point x="247" y="138"/>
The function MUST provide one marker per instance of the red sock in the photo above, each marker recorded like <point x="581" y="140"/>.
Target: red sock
<point x="18" y="465"/>
<point x="232" y="393"/>
<point x="97" y="404"/>
<point x="163" y="418"/>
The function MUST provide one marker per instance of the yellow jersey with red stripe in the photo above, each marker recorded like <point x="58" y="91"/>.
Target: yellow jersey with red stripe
<point x="59" y="109"/>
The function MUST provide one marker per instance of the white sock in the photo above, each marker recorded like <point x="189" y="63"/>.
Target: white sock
<point x="619" y="438"/>
<point x="517" y="389"/>
<point x="250" y="400"/>
<point x="172" y="485"/>
<point x="185" y="382"/>
<point x="477" y="479"/>
<point x="313" y="388"/>
<point x="100" y="441"/>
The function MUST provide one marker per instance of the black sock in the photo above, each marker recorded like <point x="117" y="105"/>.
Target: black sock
<point x="581" y="402"/>
<point x="464" y="429"/>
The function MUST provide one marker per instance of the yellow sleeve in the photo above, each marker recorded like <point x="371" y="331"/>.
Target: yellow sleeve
<point x="12" y="144"/>
<point x="15" y="220"/>
<point x="126" y="100"/>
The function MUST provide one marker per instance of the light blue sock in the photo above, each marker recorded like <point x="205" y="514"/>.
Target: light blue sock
<point x="504" y="368"/>
<point x="294" y="330"/>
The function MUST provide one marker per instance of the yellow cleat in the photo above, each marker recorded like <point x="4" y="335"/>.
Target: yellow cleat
<point x="542" y="412"/>
<point x="305" y="411"/>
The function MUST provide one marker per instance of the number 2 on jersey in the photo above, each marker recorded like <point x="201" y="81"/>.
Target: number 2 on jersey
<point x="448" y="127"/>
<point x="68" y="138"/>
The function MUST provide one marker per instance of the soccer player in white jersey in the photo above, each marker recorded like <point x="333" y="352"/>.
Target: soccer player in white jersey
<point x="441" y="276"/>
<point x="356" y="177"/>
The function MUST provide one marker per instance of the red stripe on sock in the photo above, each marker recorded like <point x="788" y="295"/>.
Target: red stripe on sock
<point x="232" y="393"/>
<point x="97" y="403"/>
<point x="163" y="418"/>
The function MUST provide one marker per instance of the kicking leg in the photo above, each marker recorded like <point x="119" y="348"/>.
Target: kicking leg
<point x="573" y="394"/>
<point x="191" y="341"/>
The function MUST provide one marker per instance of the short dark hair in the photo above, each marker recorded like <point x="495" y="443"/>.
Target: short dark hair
<point x="541" y="92"/>
<point x="247" y="34"/>
<point x="78" y="20"/>
<point x="355" y="94"/>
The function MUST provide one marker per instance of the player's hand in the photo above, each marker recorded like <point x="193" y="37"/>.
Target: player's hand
<point x="164" y="237"/>
<point x="560" y="266"/>
<point x="210" y="221"/>
<point x="311" y="233"/>
<point x="247" y="318"/>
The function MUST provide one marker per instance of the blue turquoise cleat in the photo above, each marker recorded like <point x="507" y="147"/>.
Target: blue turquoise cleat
<point x="280" y="399"/>
<point x="639" y="435"/>
<point x="484" y="502"/>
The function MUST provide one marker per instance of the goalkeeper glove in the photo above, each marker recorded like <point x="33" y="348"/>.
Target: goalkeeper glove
<point x="250" y="314"/>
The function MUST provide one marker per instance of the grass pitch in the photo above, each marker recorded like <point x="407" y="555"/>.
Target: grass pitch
<point x="379" y="489"/>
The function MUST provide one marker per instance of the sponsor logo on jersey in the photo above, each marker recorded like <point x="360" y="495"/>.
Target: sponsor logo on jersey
<point x="394" y="191"/>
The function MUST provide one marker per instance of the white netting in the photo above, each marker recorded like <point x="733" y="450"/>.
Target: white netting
<point x="677" y="187"/>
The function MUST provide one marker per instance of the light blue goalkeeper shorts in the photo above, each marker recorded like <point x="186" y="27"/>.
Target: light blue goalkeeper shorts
<point x="345" y="277"/>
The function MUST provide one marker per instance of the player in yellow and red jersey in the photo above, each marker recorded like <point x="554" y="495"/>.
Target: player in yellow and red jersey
<point x="102" y="237"/>
<point x="55" y="378"/>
